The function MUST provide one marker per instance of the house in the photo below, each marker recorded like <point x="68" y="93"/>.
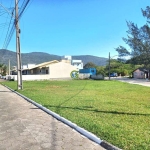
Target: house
<point x="77" y="63"/>
<point x="47" y="70"/>
<point x="140" y="73"/>
<point x="43" y="68"/>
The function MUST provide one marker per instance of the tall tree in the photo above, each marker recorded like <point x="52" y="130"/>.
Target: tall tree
<point x="89" y="65"/>
<point x="138" y="40"/>
<point x="3" y="69"/>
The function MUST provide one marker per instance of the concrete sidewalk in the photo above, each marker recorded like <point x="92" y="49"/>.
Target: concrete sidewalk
<point x="24" y="126"/>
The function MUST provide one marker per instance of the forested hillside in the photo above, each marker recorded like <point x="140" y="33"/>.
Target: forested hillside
<point x="40" y="57"/>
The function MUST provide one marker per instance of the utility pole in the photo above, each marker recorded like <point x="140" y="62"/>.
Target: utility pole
<point x="19" y="69"/>
<point x="9" y="67"/>
<point x="109" y="66"/>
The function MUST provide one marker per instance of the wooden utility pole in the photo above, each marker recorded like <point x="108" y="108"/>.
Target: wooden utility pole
<point x="19" y="69"/>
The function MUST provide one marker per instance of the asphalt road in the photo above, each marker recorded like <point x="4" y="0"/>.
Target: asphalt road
<point x="143" y="82"/>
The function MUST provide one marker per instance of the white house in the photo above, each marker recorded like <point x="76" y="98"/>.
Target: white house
<point x="47" y="70"/>
<point x="77" y="63"/>
<point x="28" y="66"/>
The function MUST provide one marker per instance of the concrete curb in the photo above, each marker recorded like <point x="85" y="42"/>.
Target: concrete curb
<point x="109" y="146"/>
<point x="82" y="131"/>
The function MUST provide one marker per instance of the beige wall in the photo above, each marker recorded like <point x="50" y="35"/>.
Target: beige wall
<point x="61" y="70"/>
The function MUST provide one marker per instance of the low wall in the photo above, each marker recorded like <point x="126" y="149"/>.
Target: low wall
<point x="97" y="77"/>
<point x="28" y="77"/>
<point x="84" y="75"/>
<point x="34" y="77"/>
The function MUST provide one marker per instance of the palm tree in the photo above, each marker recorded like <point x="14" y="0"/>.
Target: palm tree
<point x="1" y="66"/>
<point x="3" y="69"/>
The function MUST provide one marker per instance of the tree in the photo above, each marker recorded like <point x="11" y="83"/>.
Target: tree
<point x="138" y="40"/>
<point x="3" y="69"/>
<point x="100" y="70"/>
<point x="89" y="65"/>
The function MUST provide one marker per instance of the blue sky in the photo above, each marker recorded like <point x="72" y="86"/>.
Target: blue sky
<point x="75" y="27"/>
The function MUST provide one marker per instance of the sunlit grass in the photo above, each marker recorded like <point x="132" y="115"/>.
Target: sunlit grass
<point x="116" y="112"/>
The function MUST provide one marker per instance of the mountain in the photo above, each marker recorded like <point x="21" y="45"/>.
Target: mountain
<point x="27" y="58"/>
<point x="99" y="61"/>
<point x="40" y="57"/>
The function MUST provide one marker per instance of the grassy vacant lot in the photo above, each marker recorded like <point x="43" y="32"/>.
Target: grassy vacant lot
<point x="114" y="111"/>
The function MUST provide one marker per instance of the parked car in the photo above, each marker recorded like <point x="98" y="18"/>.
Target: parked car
<point x="114" y="74"/>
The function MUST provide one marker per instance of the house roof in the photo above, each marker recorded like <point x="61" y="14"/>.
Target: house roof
<point x="45" y="64"/>
<point x="141" y="69"/>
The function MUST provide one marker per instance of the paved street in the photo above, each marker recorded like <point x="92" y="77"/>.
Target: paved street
<point x="24" y="126"/>
<point x="143" y="82"/>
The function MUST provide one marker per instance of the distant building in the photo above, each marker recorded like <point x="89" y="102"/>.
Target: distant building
<point x="67" y="57"/>
<point x="77" y="63"/>
<point x="140" y="73"/>
<point x="47" y="70"/>
<point x="13" y="71"/>
<point x="28" y="66"/>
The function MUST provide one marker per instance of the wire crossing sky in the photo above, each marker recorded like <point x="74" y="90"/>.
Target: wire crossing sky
<point x="11" y="12"/>
<point x="72" y="27"/>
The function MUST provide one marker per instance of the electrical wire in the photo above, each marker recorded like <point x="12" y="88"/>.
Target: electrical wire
<point x="3" y="25"/>
<point x="28" y="6"/>
<point x="21" y="10"/>
<point x="5" y="46"/>
<point x="5" y="41"/>
<point x="5" y="22"/>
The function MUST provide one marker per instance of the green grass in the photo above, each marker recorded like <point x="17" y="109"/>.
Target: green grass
<point x="116" y="112"/>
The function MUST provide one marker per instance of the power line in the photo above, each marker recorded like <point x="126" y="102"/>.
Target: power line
<point x="6" y="20"/>
<point x="23" y="8"/>
<point x="8" y="37"/>
<point x="4" y="26"/>
<point x="28" y="5"/>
